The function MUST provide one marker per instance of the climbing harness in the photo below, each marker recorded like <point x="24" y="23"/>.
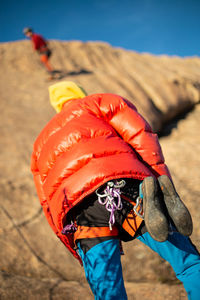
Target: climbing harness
<point x="111" y="199"/>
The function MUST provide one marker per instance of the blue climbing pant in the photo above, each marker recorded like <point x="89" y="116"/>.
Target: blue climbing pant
<point x="103" y="269"/>
<point x="182" y="256"/>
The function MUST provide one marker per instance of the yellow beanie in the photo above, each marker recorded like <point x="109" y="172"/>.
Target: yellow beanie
<point x="63" y="91"/>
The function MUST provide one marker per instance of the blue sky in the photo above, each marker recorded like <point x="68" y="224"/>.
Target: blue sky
<point x="156" y="26"/>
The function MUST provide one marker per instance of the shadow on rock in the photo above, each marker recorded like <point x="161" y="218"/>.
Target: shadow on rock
<point x="59" y="74"/>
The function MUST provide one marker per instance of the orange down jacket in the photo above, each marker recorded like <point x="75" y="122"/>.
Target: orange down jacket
<point x="91" y="141"/>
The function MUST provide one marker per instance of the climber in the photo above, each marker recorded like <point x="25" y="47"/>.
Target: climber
<point x="101" y="179"/>
<point x="40" y="45"/>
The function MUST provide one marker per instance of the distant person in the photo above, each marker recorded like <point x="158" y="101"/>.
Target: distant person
<point x="101" y="179"/>
<point x="40" y="45"/>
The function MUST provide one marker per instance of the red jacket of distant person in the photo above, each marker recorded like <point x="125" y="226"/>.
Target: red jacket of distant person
<point x="39" y="43"/>
<point x="92" y="140"/>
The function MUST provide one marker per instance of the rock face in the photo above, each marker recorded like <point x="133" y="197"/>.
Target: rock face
<point x="34" y="264"/>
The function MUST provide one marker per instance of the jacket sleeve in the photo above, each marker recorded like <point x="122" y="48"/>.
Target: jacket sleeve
<point x="43" y="201"/>
<point x="135" y="130"/>
<point x="40" y="192"/>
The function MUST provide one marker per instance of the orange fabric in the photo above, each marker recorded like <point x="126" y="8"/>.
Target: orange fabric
<point x="84" y="232"/>
<point x="91" y="141"/>
<point x="132" y="221"/>
<point x="45" y="60"/>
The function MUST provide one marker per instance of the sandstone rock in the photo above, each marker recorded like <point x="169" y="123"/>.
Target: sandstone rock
<point x="34" y="264"/>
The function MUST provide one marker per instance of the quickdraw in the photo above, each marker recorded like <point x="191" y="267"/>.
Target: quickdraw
<point x="111" y="192"/>
<point x="139" y="212"/>
<point x="69" y="228"/>
<point x="139" y="203"/>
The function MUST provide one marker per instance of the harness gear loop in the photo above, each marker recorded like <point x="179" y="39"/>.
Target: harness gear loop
<point x="111" y="192"/>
